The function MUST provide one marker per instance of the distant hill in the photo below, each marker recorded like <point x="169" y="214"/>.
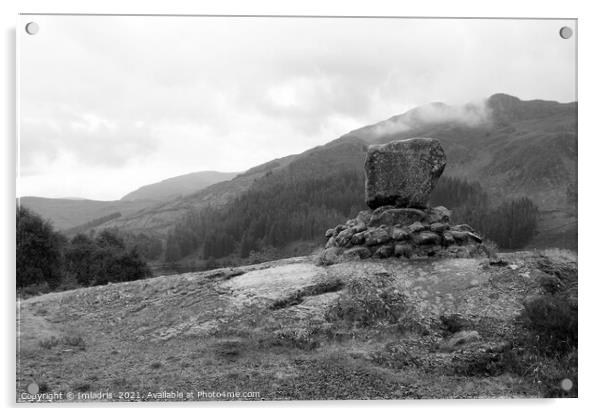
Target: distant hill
<point x="68" y="213"/>
<point x="178" y="186"/>
<point x="160" y="217"/>
<point x="81" y="214"/>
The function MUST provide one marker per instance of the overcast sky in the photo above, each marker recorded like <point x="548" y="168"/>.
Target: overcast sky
<point x="108" y="104"/>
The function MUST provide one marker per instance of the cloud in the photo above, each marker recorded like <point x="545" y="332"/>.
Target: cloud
<point x="142" y="99"/>
<point x="87" y="138"/>
<point x="472" y="114"/>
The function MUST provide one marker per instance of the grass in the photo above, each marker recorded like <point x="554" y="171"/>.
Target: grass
<point x="558" y="255"/>
<point x="368" y="300"/>
<point x="370" y="336"/>
<point x="306" y="339"/>
<point x="65" y="340"/>
<point x="396" y="355"/>
<point x="82" y="387"/>
<point x="228" y="349"/>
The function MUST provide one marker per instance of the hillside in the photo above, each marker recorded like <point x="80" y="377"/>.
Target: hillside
<point x="377" y="329"/>
<point x="178" y="186"/>
<point x="68" y="213"/>
<point x="159" y="218"/>
<point x="512" y="147"/>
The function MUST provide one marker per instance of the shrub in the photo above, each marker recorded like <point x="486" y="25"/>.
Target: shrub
<point x="455" y="323"/>
<point x="369" y="300"/>
<point x="395" y="356"/>
<point x="553" y="319"/>
<point x="545" y="368"/>
<point x="553" y="316"/>
<point x="39" y="258"/>
<point x="46" y="261"/>
<point x="103" y="259"/>
<point x="550" y="346"/>
<point x="301" y="338"/>
<point x="560" y="275"/>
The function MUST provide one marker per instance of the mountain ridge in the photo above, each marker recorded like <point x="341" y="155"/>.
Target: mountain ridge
<point x="178" y="185"/>
<point x="67" y="213"/>
<point x="512" y="147"/>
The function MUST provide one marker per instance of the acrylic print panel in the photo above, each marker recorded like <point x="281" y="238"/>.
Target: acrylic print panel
<point x="256" y="208"/>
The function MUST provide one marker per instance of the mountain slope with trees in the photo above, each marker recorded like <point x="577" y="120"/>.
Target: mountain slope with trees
<point x="509" y="147"/>
<point x="66" y="213"/>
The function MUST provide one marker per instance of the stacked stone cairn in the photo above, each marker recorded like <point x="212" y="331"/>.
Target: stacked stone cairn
<point x="399" y="179"/>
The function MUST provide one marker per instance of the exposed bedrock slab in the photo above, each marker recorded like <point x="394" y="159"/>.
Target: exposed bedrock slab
<point x="403" y="173"/>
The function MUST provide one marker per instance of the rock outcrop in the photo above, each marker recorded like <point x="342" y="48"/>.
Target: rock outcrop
<point x="403" y="173"/>
<point x="399" y="179"/>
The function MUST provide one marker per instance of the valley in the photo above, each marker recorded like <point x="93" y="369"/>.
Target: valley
<point x="509" y="147"/>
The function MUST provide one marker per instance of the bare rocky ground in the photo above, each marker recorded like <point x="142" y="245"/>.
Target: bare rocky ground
<point x="368" y="329"/>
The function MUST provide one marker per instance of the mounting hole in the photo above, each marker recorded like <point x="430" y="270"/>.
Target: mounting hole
<point x="566" y="384"/>
<point x="566" y="32"/>
<point x="32" y="28"/>
<point x="33" y="388"/>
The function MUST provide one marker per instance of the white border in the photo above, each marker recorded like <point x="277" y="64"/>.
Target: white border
<point x="590" y="149"/>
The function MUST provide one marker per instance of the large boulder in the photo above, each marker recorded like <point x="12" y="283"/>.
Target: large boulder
<point x="439" y="227"/>
<point x="403" y="173"/>
<point x="344" y="237"/>
<point x="438" y="214"/>
<point x="384" y="251"/>
<point x="357" y="253"/>
<point x="397" y="216"/>
<point x="404" y="249"/>
<point x="426" y="237"/>
<point x="377" y="236"/>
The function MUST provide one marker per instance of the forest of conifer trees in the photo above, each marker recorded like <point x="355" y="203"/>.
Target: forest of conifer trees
<point x="279" y="210"/>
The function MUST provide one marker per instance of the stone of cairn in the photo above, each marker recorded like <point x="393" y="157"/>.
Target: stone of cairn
<point x="399" y="179"/>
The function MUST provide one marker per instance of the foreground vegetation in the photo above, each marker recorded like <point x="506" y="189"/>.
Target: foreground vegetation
<point x="48" y="261"/>
<point x="377" y="329"/>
